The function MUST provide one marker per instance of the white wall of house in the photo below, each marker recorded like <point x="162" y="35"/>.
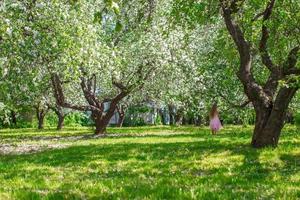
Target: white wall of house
<point x="149" y="117"/>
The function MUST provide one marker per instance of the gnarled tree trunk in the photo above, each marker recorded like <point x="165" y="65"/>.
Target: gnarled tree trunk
<point x="100" y="123"/>
<point x="270" y="106"/>
<point x="100" y="127"/>
<point x="102" y="119"/>
<point x="95" y="105"/>
<point x="270" y="121"/>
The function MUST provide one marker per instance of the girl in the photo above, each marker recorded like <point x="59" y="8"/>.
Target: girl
<point x="215" y="123"/>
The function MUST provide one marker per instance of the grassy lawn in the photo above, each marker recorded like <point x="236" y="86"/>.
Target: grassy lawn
<point x="147" y="163"/>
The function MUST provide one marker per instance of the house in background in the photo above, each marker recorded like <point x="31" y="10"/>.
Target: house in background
<point x="146" y="112"/>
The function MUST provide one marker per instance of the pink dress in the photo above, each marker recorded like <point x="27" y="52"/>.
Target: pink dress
<point x="215" y="123"/>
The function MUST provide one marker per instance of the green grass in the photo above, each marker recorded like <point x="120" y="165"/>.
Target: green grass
<point x="147" y="163"/>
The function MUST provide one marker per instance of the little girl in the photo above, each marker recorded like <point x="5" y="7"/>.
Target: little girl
<point x="215" y="123"/>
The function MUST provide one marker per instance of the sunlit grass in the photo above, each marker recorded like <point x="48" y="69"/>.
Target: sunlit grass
<point x="148" y="163"/>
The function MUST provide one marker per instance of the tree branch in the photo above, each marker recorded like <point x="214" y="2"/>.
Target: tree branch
<point x="253" y="90"/>
<point x="291" y="61"/>
<point x="60" y="98"/>
<point x="118" y="84"/>
<point x="258" y="16"/>
<point x="142" y="76"/>
<point x="86" y="86"/>
<point x="266" y="59"/>
<point x="244" y="104"/>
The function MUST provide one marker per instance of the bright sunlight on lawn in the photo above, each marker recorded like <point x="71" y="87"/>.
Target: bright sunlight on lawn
<point x="147" y="163"/>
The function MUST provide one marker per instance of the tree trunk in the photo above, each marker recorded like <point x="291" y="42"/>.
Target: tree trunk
<point x="60" y="123"/>
<point x="13" y="117"/>
<point x="41" y="122"/>
<point x="41" y="113"/>
<point x="267" y="128"/>
<point x="97" y="107"/>
<point x="266" y="136"/>
<point x="121" y="109"/>
<point x="40" y="116"/>
<point x="102" y="120"/>
<point x="121" y="120"/>
<point x="100" y="127"/>
<point x="270" y="120"/>
<point x="59" y="111"/>
<point x="269" y="113"/>
<point x="172" y="113"/>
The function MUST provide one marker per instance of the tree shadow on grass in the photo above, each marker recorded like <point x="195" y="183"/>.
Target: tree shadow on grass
<point x="149" y="160"/>
<point x="140" y="170"/>
<point x="45" y="130"/>
<point x="87" y="135"/>
<point x="291" y="165"/>
<point x="81" y="155"/>
<point x="21" y="135"/>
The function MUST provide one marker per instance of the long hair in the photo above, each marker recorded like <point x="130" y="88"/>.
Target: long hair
<point x="213" y="111"/>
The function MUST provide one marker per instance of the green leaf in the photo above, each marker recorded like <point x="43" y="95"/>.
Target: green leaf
<point x="98" y="17"/>
<point x="119" y="26"/>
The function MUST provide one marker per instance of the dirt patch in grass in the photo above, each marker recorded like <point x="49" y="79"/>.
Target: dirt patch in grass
<point x="18" y="149"/>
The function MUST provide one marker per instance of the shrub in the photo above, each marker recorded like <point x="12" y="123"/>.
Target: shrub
<point x="51" y="119"/>
<point x="78" y="119"/>
<point x="133" y="121"/>
<point x="133" y="116"/>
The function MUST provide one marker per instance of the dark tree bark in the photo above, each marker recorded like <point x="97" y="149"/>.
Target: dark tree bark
<point x="95" y="105"/>
<point x="270" y="106"/>
<point x="100" y="124"/>
<point x="121" y="109"/>
<point x="41" y="123"/>
<point x="40" y="114"/>
<point x="13" y="116"/>
<point x="172" y="113"/>
<point x="270" y="121"/>
<point x="99" y="116"/>
<point x="59" y="111"/>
